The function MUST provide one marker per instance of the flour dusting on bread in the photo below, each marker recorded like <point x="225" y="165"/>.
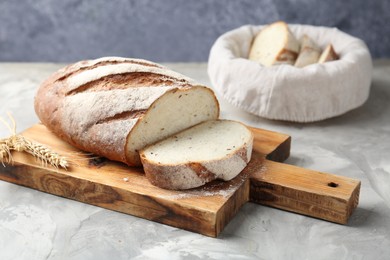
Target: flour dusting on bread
<point x="115" y="106"/>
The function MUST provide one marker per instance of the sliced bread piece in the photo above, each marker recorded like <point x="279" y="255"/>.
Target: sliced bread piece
<point x="309" y="53"/>
<point x="275" y="44"/>
<point x="215" y="149"/>
<point x="328" y="54"/>
<point x="114" y="107"/>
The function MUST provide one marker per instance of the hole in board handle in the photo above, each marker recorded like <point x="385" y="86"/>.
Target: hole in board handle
<point x="333" y="184"/>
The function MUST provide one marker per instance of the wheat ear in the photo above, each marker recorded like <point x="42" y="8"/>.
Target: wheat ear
<point x="21" y="144"/>
<point x="41" y="152"/>
<point x="5" y="153"/>
<point x="5" y="149"/>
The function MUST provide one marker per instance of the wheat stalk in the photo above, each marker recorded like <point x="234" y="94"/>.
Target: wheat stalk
<point x="5" y="153"/>
<point x="21" y="144"/>
<point x="41" y="152"/>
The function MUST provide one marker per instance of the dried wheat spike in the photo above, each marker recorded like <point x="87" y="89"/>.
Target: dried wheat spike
<point x="22" y="144"/>
<point x="5" y="153"/>
<point x="17" y="143"/>
<point x="43" y="153"/>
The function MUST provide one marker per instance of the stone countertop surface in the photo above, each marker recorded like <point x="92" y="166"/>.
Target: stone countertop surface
<point x="36" y="225"/>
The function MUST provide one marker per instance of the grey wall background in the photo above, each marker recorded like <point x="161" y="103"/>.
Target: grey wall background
<point x="167" y="30"/>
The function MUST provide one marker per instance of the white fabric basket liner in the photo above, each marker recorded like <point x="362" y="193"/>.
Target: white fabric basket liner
<point x="284" y="92"/>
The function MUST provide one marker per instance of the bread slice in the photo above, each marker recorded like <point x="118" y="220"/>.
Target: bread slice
<point x="309" y="53"/>
<point x="215" y="149"/>
<point x="114" y="107"/>
<point x="328" y="54"/>
<point x="275" y="44"/>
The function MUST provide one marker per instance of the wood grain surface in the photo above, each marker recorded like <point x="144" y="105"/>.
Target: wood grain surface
<point x="206" y="210"/>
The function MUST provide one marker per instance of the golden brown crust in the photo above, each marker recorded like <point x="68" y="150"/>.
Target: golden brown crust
<point x="158" y="178"/>
<point x="49" y="107"/>
<point x="81" y="66"/>
<point x="328" y="54"/>
<point x="177" y="177"/>
<point x="243" y="153"/>
<point x="202" y="171"/>
<point x="286" y="56"/>
<point x="127" y="80"/>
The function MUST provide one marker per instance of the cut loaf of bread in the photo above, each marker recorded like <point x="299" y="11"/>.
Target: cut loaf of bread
<point x="114" y="107"/>
<point x="215" y="149"/>
<point x="274" y="44"/>
<point x="328" y="54"/>
<point x="309" y="53"/>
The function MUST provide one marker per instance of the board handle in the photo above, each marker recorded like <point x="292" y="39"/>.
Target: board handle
<point x="312" y="193"/>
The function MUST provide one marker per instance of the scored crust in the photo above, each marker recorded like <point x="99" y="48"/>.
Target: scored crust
<point x="95" y="105"/>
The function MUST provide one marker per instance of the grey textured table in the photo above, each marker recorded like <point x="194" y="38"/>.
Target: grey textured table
<point x="35" y="225"/>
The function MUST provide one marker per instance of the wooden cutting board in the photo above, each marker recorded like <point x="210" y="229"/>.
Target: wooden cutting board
<point x="206" y="210"/>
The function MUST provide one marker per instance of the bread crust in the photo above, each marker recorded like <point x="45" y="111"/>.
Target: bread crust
<point x="286" y="56"/>
<point x="192" y="174"/>
<point x="329" y="54"/>
<point x="309" y="53"/>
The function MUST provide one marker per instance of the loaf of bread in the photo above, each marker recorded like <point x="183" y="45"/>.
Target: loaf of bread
<point x="309" y="53"/>
<point x="215" y="149"/>
<point x="114" y="107"/>
<point x="274" y="44"/>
